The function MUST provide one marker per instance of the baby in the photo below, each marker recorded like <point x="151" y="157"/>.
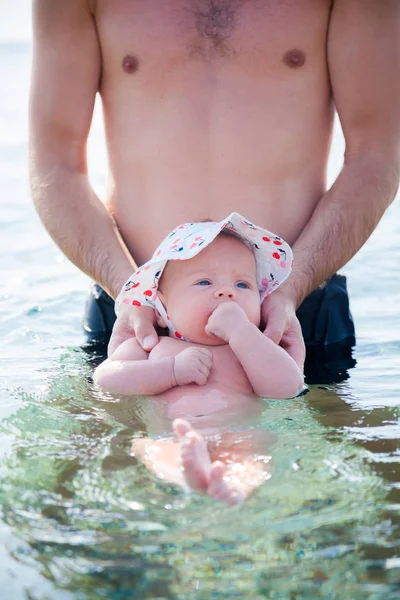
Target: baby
<point x="206" y="282"/>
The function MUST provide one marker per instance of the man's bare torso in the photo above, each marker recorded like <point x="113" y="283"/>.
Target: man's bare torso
<point x="214" y="106"/>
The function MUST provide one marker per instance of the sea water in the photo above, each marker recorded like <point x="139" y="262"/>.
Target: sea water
<point x="80" y="519"/>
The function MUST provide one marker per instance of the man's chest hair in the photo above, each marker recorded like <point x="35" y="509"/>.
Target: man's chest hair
<point x="209" y="29"/>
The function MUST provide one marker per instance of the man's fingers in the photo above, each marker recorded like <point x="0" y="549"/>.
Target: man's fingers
<point x="114" y="342"/>
<point x="142" y="322"/>
<point x="296" y="349"/>
<point x="146" y="335"/>
<point x="291" y="340"/>
<point x="137" y="322"/>
<point x="274" y="331"/>
<point x="120" y="333"/>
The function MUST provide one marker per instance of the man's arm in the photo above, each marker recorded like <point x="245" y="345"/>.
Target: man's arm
<point x="65" y="78"/>
<point x="364" y="67"/>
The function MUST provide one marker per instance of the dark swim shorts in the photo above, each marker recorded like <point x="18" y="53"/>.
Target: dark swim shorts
<point x="325" y="319"/>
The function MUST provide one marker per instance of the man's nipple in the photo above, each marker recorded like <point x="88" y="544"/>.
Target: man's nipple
<point x="294" y="58"/>
<point x="130" y="64"/>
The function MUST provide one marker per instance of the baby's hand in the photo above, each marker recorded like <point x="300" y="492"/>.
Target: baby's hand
<point x="225" y="318"/>
<point x="192" y="365"/>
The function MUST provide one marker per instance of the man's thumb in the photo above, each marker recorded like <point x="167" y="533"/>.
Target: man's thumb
<point x="147" y="336"/>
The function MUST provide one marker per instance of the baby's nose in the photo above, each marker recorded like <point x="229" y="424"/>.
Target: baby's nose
<point x="225" y="291"/>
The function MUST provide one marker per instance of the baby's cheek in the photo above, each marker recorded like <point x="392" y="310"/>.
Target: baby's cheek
<point x="255" y="316"/>
<point x="193" y="319"/>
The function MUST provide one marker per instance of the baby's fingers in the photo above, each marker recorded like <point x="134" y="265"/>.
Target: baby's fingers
<point x="206" y="359"/>
<point x="203" y="373"/>
<point x="204" y="352"/>
<point x="205" y="369"/>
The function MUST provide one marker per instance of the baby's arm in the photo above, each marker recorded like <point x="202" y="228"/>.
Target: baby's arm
<point x="129" y="371"/>
<point x="272" y="372"/>
<point x="270" y="369"/>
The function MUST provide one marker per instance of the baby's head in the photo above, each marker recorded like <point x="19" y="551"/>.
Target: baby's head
<point x="199" y="265"/>
<point x="190" y="290"/>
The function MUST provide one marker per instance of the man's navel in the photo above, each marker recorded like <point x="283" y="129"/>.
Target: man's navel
<point x="294" y="58"/>
<point x="130" y="64"/>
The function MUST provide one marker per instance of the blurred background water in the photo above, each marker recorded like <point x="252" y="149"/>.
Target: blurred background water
<point x="80" y="519"/>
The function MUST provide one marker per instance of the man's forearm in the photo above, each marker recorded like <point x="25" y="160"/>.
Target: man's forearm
<point x="80" y="225"/>
<point x="343" y="220"/>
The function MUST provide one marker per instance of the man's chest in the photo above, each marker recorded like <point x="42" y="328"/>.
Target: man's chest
<point x="285" y="33"/>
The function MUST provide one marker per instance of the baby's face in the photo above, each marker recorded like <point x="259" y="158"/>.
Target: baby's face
<point x="225" y="271"/>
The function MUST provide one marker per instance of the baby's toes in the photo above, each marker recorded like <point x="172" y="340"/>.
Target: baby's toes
<point x="220" y="489"/>
<point x="181" y="427"/>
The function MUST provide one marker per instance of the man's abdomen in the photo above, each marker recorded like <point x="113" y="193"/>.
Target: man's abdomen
<point x="198" y="134"/>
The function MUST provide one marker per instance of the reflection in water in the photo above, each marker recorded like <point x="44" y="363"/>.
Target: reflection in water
<point x="97" y="524"/>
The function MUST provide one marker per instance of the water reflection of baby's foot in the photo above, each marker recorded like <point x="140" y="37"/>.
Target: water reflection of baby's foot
<point x="221" y="489"/>
<point x="198" y="471"/>
<point x="195" y="460"/>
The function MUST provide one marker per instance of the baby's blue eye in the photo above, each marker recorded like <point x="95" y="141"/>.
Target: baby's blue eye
<point x="243" y="285"/>
<point x="203" y="282"/>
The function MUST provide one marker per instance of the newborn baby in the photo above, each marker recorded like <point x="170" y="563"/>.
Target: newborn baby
<point x="206" y="282"/>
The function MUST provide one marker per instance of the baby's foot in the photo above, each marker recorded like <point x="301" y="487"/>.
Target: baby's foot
<point x="181" y="427"/>
<point x="220" y="489"/>
<point x="198" y="471"/>
<point x="194" y="456"/>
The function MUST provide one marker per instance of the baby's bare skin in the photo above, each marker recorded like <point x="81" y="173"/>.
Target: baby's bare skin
<point x="225" y="376"/>
<point x="210" y="458"/>
<point x="213" y="300"/>
<point x="214" y="381"/>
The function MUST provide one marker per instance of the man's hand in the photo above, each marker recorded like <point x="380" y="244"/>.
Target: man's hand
<point x="192" y="365"/>
<point x="225" y="319"/>
<point x="282" y="326"/>
<point x="134" y="322"/>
